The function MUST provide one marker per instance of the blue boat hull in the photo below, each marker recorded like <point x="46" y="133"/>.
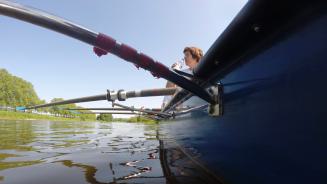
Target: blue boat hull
<point x="274" y="126"/>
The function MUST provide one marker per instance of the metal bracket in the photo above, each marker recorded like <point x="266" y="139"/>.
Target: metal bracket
<point x="109" y="96"/>
<point x="120" y="95"/>
<point x="110" y="99"/>
<point x="216" y="109"/>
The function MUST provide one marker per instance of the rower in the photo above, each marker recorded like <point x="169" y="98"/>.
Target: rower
<point x="192" y="56"/>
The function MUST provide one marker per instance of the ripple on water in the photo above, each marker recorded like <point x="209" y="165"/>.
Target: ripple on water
<point x="73" y="152"/>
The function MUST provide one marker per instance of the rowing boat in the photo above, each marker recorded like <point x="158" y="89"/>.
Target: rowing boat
<point x="271" y="63"/>
<point x="254" y="111"/>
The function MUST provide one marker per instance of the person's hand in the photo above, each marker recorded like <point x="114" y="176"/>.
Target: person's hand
<point x="176" y="66"/>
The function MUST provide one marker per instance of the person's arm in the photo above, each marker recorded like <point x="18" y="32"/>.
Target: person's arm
<point x="177" y="66"/>
<point x="170" y="85"/>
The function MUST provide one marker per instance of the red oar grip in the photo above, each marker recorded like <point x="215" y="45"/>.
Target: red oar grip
<point x="105" y="44"/>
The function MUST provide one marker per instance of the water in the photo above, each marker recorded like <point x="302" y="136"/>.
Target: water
<point x="79" y="152"/>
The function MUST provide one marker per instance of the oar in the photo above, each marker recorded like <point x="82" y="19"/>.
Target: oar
<point x="122" y="95"/>
<point x="108" y="109"/>
<point x="153" y="111"/>
<point x="127" y="113"/>
<point x="112" y="96"/>
<point x="142" y="110"/>
<point x="102" y="45"/>
<point x="109" y="113"/>
<point x="100" y="109"/>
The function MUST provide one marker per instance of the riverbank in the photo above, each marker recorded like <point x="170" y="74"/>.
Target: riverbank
<point x="11" y="115"/>
<point x="135" y="120"/>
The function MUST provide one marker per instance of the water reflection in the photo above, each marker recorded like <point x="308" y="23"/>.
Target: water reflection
<point x="80" y="152"/>
<point x="16" y="136"/>
<point x="103" y="152"/>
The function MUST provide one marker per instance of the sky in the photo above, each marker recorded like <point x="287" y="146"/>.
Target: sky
<point x="61" y="67"/>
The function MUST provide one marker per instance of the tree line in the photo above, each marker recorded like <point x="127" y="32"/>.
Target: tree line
<point x="15" y="91"/>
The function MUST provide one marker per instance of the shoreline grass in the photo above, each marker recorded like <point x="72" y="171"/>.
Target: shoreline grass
<point x="12" y="115"/>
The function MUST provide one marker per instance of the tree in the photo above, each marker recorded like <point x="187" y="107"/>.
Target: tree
<point x="62" y="110"/>
<point x="15" y="91"/>
<point x="105" y="117"/>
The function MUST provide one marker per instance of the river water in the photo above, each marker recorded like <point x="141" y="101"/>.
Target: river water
<point x="79" y="152"/>
<point x="93" y="152"/>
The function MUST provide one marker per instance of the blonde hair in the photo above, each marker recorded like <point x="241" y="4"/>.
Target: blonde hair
<point x="195" y="52"/>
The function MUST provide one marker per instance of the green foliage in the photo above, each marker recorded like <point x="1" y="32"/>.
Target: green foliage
<point x="15" y="91"/>
<point x="105" y="117"/>
<point x="62" y="110"/>
<point x="29" y="116"/>
<point x="140" y="119"/>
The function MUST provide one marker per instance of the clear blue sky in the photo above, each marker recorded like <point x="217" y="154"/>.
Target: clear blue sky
<point x="59" y="66"/>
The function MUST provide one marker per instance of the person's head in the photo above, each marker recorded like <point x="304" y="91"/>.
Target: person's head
<point x="192" y="56"/>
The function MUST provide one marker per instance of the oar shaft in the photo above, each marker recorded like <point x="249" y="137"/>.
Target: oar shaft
<point x="107" y="109"/>
<point x="122" y="95"/>
<point x="109" y="113"/>
<point x="151" y="92"/>
<point x="100" y="109"/>
<point x="111" y="96"/>
<point x="71" y="101"/>
<point x="141" y="110"/>
<point x="102" y="42"/>
<point x="46" y="20"/>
